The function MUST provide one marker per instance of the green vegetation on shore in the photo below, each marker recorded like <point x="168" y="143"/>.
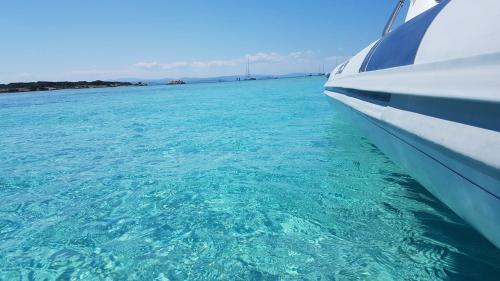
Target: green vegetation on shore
<point x="48" y="86"/>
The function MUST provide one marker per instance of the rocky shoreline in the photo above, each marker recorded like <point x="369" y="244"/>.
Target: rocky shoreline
<point x="50" y="86"/>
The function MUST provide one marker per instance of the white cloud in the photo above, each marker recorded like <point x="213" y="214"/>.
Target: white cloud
<point x="265" y="57"/>
<point x="302" y="54"/>
<point x="261" y="62"/>
<point x="337" y="58"/>
<point x="212" y="63"/>
<point x="156" y="65"/>
<point x="152" y="64"/>
<point x="260" y="57"/>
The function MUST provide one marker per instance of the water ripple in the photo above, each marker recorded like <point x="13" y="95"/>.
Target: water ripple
<point x="233" y="181"/>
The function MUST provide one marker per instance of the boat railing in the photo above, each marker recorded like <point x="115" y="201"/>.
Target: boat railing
<point x="394" y="16"/>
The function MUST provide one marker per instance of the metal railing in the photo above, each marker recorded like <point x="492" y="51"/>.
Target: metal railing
<point x="392" y="19"/>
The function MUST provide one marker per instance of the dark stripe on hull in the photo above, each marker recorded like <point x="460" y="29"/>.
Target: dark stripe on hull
<point x="378" y="123"/>
<point x="399" y="47"/>
<point x="473" y="113"/>
<point x="379" y="98"/>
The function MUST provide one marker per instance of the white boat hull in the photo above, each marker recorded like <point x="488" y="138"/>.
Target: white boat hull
<point x="426" y="163"/>
<point x="428" y="95"/>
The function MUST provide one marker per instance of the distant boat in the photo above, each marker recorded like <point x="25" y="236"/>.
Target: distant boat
<point x="248" y="76"/>
<point x="176" y="82"/>
<point x="427" y="95"/>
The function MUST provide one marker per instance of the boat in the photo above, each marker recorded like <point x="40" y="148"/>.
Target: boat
<point x="248" y="77"/>
<point x="176" y="82"/>
<point x="427" y="94"/>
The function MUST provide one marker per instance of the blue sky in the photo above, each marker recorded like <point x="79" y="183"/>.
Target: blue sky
<point x="111" y="39"/>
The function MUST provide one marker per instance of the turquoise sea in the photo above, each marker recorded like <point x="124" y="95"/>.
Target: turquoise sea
<point x="256" y="180"/>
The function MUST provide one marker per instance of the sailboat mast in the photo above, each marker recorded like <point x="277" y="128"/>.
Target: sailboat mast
<point x="248" y="67"/>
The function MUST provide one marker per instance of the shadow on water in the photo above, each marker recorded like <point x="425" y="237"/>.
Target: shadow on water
<point x="467" y="254"/>
<point x="473" y="257"/>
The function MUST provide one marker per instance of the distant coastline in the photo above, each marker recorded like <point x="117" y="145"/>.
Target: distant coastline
<point x="218" y="79"/>
<point x="21" y="87"/>
<point x="50" y="86"/>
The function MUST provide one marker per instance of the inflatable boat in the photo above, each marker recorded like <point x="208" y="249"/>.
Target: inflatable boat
<point x="427" y="94"/>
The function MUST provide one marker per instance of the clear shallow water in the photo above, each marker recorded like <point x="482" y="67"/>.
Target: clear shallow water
<point x="256" y="180"/>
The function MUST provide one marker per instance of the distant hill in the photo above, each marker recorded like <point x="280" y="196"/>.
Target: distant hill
<point x="49" y="86"/>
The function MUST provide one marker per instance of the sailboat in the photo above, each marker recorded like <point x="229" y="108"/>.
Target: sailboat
<point x="248" y="76"/>
<point x="427" y="94"/>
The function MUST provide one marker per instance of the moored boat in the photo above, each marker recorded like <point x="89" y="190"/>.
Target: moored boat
<point x="428" y="95"/>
